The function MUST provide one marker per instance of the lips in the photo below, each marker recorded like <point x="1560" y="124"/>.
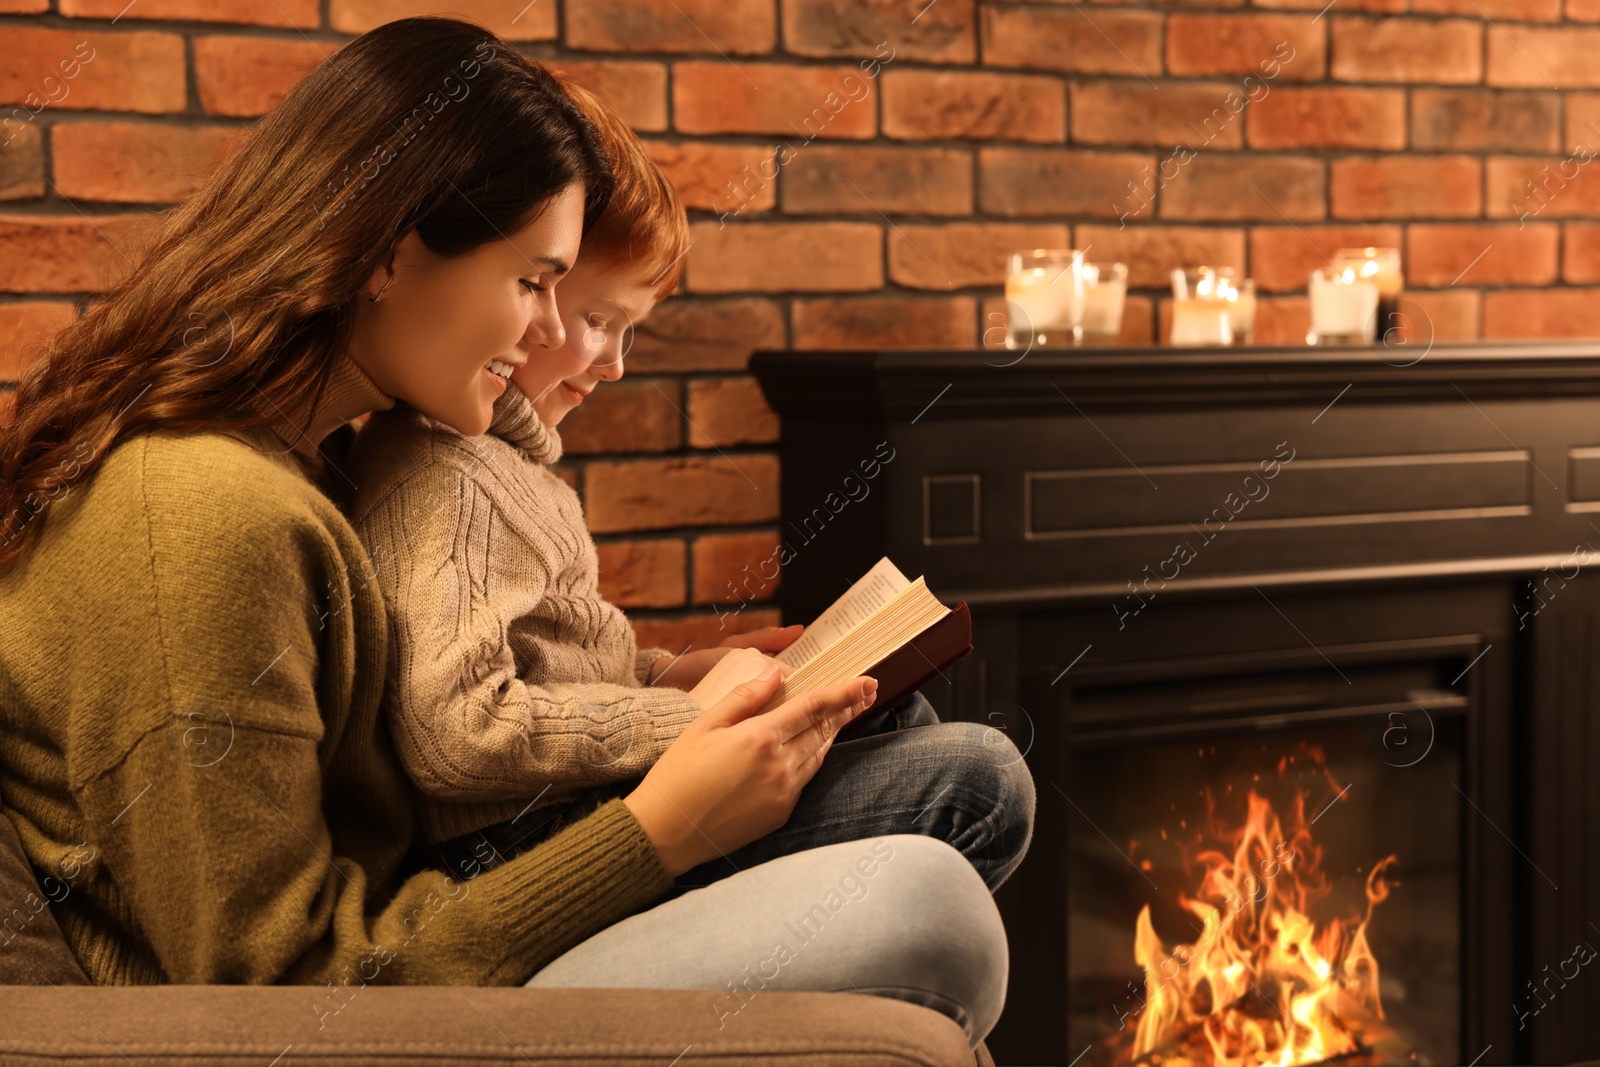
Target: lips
<point x="575" y="395"/>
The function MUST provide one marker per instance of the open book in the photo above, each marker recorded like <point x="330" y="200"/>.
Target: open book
<point x="885" y="626"/>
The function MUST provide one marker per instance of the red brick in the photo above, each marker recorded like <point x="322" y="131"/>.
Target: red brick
<point x="1543" y="57"/>
<point x="1291" y="117"/>
<point x="881" y="29"/>
<point x="1283" y="257"/>
<point x="963" y="255"/>
<point x="1052" y="182"/>
<point x="1583" y="121"/>
<point x="25" y="329"/>
<point x="696" y="334"/>
<point x="727" y="179"/>
<point x="130" y="162"/>
<point x="1290" y="47"/>
<point x="1583" y="10"/>
<point x="785" y="257"/>
<point x="1344" y="5"/>
<point x="931" y="105"/>
<point x="636" y="91"/>
<point x="1433" y="317"/>
<point x="24" y="7"/>
<point x="1494" y="10"/>
<point x="734" y="27"/>
<point x="626" y="416"/>
<point x="1388" y="49"/>
<point x="643" y="574"/>
<point x="1410" y="186"/>
<point x="797" y="103"/>
<point x="512" y="21"/>
<point x="1480" y="120"/>
<point x="873" y="179"/>
<point x="701" y="631"/>
<point x="1531" y="314"/>
<point x="300" y="14"/>
<point x="1067" y="40"/>
<point x="689" y="491"/>
<point x="21" y="161"/>
<point x="1152" y="252"/>
<point x="1130" y="112"/>
<point x="123" y="72"/>
<point x="736" y="568"/>
<point x="886" y="322"/>
<point x="1481" y="253"/>
<point x="1531" y="188"/>
<point x="247" y="76"/>
<point x="1280" y="320"/>
<point x="1268" y="188"/>
<point x="68" y="254"/>
<point x="1580" y="253"/>
<point x="729" y="411"/>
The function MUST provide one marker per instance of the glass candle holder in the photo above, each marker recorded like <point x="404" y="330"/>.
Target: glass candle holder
<point x="1044" y="298"/>
<point x="1205" y="306"/>
<point x="1105" y="293"/>
<point x="1344" y="308"/>
<point x="1381" y="265"/>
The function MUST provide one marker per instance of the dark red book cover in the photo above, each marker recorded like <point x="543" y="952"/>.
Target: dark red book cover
<point x="911" y="667"/>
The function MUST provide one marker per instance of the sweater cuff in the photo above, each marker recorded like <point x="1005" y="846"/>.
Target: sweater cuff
<point x="594" y="873"/>
<point x="644" y="658"/>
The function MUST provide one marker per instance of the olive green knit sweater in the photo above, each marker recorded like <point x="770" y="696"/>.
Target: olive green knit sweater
<point x="191" y="663"/>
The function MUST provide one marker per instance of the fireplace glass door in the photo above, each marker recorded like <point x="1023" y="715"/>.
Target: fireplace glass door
<point x="1267" y="870"/>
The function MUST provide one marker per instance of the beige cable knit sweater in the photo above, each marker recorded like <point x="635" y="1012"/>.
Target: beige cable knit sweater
<point x="512" y="683"/>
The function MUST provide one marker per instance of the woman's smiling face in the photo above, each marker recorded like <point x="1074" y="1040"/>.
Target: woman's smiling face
<point x="431" y="337"/>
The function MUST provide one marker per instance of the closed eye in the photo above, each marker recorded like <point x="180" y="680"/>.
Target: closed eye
<point x="534" y="286"/>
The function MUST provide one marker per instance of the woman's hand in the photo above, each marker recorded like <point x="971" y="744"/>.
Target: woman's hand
<point x="733" y="776"/>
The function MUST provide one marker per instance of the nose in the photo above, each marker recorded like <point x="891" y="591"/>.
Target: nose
<point x="545" y="328"/>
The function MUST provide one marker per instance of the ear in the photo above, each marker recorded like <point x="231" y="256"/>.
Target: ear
<point x="409" y="254"/>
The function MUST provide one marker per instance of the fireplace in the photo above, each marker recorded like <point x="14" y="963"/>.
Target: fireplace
<point x="1346" y="586"/>
<point x="1311" y="818"/>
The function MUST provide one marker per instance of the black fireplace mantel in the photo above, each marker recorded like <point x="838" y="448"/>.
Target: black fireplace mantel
<point x="1129" y="522"/>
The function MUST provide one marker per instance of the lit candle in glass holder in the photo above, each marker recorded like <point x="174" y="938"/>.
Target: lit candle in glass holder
<point x="1206" y="305"/>
<point x="1380" y="265"/>
<point x="1044" y="298"/>
<point x="1344" y="308"/>
<point x="1105" y="292"/>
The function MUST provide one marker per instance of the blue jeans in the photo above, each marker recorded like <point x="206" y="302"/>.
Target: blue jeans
<point x="963" y="783"/>
<point x="901" y="916"/>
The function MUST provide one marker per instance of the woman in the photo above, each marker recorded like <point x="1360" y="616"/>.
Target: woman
<point x="191" y="650"/>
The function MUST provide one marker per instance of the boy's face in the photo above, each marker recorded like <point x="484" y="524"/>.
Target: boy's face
<point x="600" y="303"/>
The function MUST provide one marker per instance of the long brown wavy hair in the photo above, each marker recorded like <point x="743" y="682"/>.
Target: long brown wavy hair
<point x="242" y="302"/>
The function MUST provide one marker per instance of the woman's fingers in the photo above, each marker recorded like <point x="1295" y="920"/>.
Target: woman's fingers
<point x="810" y="720"/>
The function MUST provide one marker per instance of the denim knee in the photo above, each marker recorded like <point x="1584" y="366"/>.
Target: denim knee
<point x="994" y="775"/>
<point x="955" y="947"/>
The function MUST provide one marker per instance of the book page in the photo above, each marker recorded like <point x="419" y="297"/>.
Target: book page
<point x="872" y="591"/>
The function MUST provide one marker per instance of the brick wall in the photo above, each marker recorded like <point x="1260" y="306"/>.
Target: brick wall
<point x="856" y="170"/>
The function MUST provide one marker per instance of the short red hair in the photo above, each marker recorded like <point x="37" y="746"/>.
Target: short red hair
<point x="644" y="222"/>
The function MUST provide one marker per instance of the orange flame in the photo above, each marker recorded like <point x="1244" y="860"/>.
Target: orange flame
<point x="1260" y="986"/>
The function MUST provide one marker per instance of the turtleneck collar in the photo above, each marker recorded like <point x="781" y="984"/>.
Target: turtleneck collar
<point x="515" y="421"/>
<point x="350" y="391"/>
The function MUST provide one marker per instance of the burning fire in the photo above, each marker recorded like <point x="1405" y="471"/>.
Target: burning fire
<point x="1260" y="986"/>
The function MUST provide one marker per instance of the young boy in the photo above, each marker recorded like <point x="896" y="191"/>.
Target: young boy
<point x="516" y="695"/>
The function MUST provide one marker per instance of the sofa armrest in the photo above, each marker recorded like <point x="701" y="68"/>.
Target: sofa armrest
<point x="428" y="1025"/>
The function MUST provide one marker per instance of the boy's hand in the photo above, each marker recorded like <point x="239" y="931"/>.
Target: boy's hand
<point x="768" y="639"/>
<point x="735" y="667"/>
